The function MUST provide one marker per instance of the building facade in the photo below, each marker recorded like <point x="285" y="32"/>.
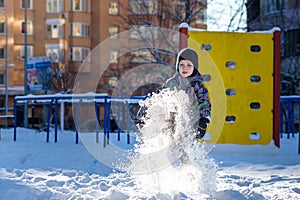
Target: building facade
<point x="285" y="14"/>
<point x="68" y="30"/>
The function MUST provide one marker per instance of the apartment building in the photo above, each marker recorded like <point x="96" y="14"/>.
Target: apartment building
<point x="66" y="31"/>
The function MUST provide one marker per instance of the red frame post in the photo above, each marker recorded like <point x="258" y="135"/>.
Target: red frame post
<point x="276" y="80"/>
<point x="183" y="36"/>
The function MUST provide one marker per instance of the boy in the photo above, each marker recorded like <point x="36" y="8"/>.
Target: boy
<point x="188" y="78"/>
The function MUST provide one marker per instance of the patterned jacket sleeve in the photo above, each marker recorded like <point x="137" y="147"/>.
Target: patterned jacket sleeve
<point x="201" y="92"/>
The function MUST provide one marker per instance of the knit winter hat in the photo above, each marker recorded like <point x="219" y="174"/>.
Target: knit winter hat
<point x="187" y="54"/>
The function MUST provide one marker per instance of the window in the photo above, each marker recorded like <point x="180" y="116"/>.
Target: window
<point x="79" y="53"/>
<point x="81" y="5"/>
<point x="80" y="29"/>
<point x="55" y="6"/>
<point x="113" y="8"/>
<point x="292" y="43"/>
<point x="143" y="6"/>
<point x="76" y="29"/>
<point x="55" y="52"/>
<point x="2" y="52"/>
<point x="113" y="32"/>
<point x="77" y="5"/>
<point x="29" y="51"/>
<point x="2" y="27"/>
<point x="201" y="16"/>
<point x="140" y="56"/>
<point x="114" y="57"/>
<point x="55" y="31"/>
<point x="2" y="79"/>
<point x="55" y="28"/>
<point x="113" y="81"/>
<point x="272" y="5"/>
<point x="28" y="3"/>
<point x="28" y="27"/>
<point x="142" y="32"/>
<point x="2" y="3"/>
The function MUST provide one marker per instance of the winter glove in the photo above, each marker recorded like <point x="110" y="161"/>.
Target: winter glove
<point x="201" y="128"/>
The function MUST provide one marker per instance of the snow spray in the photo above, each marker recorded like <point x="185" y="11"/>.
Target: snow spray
<point x="167" y="159"/>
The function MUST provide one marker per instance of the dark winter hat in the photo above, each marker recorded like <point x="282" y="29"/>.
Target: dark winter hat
<point x="187" y="54"/>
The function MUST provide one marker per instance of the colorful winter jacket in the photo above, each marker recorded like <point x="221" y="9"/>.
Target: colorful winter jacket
<point x="197" y="92"/>
<point x="192" y="85"/>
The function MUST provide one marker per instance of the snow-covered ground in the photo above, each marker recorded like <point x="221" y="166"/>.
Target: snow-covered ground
<point x="30" y="168"/>
<point x="163" y="161"/>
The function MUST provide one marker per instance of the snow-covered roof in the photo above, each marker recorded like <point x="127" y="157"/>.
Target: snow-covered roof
<point x="271" y="31"/>
<point x="185" y="25"/>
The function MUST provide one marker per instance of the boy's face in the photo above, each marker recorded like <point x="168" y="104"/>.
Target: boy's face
<point x="186" y="68"/>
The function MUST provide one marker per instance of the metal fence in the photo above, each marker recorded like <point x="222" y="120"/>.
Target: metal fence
<point x="289" y="113"/>
<point x="101" y="102"/>
<point x="290" y="117"/>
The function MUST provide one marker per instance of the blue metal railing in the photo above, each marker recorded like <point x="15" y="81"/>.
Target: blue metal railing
<point x="98" y="99"/>
<point x="289" y="113"/>
<point x="290" y="117"/>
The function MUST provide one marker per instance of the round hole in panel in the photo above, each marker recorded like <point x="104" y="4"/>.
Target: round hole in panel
<point x="254" y="136"/>
<point x="255" y="48"/>
<point x="205" y="47"/>
<point x="230" y="119"/>
<point x="255" y="105"/>
<point x="255" y="78"/>
<point x="230" y="65"/>
<point x="230" y="92"/>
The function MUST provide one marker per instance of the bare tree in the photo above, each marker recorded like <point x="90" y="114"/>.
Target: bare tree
<point x="226" y="15"/>
<point x="62" y="78"/>
<point x="290" y="77"/>
<point x="155" y="26"/>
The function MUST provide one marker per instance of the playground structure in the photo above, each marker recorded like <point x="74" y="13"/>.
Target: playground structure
<point x="243" y="71"/>
<point x="243" y="81"/>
